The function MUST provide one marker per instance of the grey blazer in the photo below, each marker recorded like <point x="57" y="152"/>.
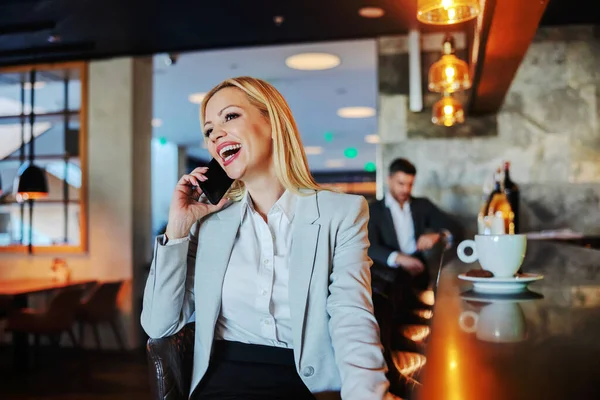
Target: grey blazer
<point x="336" y="337"/>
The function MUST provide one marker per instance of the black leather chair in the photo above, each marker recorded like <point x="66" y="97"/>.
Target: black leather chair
<point x="170" y="362"/>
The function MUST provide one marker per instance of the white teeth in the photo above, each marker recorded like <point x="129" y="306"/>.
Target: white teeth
<point x="230" y="147"/>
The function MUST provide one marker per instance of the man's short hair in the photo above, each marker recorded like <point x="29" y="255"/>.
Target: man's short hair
<point x="402" y="165"/>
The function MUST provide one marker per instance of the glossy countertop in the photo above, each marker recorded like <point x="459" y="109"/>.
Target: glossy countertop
<point x="542" y="344"/>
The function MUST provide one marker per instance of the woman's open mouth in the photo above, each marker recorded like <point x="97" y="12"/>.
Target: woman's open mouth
<point x="229" y="152"/>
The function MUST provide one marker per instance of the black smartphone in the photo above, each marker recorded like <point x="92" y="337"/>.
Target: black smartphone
<point x="217" y="184"/>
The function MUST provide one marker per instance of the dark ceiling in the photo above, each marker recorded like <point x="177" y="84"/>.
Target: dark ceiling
<point x="52" y="30"/>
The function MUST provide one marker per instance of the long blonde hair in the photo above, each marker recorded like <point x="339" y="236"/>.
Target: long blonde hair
<point x="291" y="166"/>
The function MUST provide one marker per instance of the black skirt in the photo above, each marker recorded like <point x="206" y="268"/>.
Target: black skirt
<point x="251" y="372"/>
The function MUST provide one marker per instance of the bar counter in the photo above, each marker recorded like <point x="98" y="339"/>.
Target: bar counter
<point x="541" y="344"/>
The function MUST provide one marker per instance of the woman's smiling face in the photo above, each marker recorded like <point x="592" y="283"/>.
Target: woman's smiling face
<point x="238" y="135"/>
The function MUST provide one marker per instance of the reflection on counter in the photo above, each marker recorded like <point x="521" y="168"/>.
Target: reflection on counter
<point x="495" y="318"/>
<point x="541" y="343"/>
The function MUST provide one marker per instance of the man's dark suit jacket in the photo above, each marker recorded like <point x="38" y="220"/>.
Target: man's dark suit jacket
<point x="382" y="235"/>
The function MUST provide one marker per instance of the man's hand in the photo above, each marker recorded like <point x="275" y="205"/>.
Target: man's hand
<point x="427" y="241"/>
<point x="412" y="265"/>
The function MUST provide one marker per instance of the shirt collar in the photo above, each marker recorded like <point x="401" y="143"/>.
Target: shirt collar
<point x="286" y="203"/>
<point x="390" y="202"/>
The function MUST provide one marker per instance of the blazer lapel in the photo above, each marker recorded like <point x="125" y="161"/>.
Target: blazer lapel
<point x="388" y="226"/>
<point x="302" y="260"/>
<point x="217" y="239"/>
<point x="414" y="211"/>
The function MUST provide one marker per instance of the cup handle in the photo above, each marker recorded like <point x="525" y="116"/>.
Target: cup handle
<point x="460" y="251"/>
<point x="462" y="321"/>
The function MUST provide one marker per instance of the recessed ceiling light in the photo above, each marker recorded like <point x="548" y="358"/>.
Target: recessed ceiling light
<point x="196" y="98"/>
<point x="373" y="139"/>
<point x="334" y="163"/>
<point x="312" y="61"/>
<point x="313" y="150"/>
<point x="356" y="112"/>
<point x="371" y="12"/>
<point x="37" y="85"/>
<point x="156" y="122"/>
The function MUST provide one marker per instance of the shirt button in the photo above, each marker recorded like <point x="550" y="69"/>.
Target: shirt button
<point x="264" y="292"/>
<point x="308" y="371"/>
<point x="266" y="261"/>
<point x="267" y="322"/>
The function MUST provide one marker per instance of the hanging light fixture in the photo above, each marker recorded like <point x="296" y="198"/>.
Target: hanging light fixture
<point x="448" y="111"/>
<point x="447" y="12"/>
<point x="449" y="74"/>
<point x="31" y="182"/>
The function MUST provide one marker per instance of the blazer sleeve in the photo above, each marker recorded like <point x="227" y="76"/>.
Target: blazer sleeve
<point x="352" y="325"/>
<point x="168" y="301"/>
<point x="378" y="251"/>
<point x="439" y="220"/>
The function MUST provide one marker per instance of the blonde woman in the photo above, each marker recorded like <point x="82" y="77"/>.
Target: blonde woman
<point x="277" y="276"/>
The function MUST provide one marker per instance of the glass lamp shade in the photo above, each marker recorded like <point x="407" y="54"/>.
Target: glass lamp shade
<point x="447" y="12"/>
<point x="31" y="183"/>
<point x="450" y="74"/>
<point x="447" y="112"/>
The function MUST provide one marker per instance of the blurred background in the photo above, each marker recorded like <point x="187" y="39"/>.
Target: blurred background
<point x="99" y="117"/>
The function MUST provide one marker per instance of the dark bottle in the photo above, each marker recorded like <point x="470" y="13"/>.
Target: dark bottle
<point x="511" y="190"/>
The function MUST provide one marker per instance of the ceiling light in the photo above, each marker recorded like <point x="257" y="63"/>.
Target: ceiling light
<point x="448" y="111"/>
<point x="156" y="122"/>
<point x="372" y="139"/>
<point x="450" y="73"/>
<point x="447" y="12"/>
<point x="313" y="61"/>
<point x="356" y="112"/>
<point x="334" y="163"/>
<point x="371" y="12"/>
<point x="37" y="85"/>
<point x="313" y="150"/>
<point x="196" y="98"/>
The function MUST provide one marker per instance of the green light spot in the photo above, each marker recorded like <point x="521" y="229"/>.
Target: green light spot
<point x="370" y="167"/>
<point x="328" y="136"/>
<point x="350" y="152"/>
<point x="162" y="141"/>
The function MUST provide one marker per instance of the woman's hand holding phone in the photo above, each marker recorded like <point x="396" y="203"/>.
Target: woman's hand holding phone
<point x="185" y="209"/>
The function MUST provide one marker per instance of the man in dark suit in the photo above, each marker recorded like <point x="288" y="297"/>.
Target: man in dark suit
<point x="401" y="229"/>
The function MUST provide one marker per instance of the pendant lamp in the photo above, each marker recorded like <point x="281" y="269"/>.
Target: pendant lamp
<point x="448" y="111"/>
<point x="31" y="182"/>
<point x="447" y="12"/>
<point x="449" y="74"/>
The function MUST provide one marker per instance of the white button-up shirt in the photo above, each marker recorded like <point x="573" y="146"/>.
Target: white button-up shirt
<point x="404" y="227"/>
<point x="255" y="304"/>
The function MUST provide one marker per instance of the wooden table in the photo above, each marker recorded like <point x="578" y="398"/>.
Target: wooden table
<point x="543" y="345"/>
<point x="20" y="289"/>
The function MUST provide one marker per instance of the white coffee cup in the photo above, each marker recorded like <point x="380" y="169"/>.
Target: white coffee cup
<point x="502" y="255"/>
<point x="496" y="322"/>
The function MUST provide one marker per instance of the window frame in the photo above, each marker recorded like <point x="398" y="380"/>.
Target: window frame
<point x="82" y="247"/>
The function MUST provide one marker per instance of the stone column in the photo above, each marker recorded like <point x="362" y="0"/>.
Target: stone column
<point x="119" y="137"/>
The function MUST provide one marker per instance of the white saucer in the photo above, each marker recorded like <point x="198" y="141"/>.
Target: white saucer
<point x="501" y="285"/>
<point x="518" y="297"/>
